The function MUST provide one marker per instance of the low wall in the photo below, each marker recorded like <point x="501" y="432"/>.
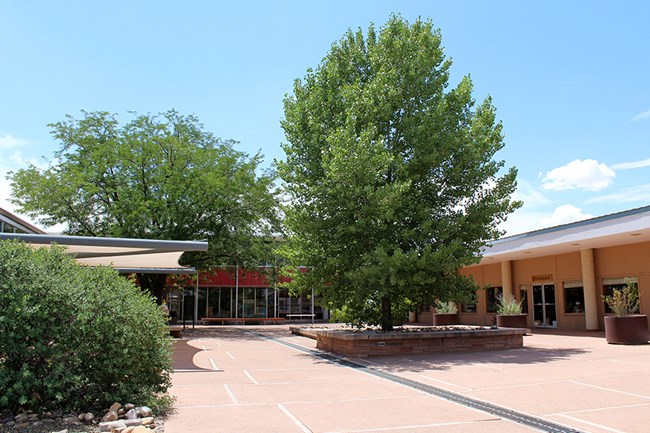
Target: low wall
<point x="365" y="344"/>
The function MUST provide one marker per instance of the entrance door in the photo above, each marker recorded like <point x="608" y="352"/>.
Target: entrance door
<point x="544" y="313"/>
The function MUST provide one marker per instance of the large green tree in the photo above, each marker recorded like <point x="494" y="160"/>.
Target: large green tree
<point x="155" y="177"/>
<point x="390" y="176"/>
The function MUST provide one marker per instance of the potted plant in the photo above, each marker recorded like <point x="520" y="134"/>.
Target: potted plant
<point x="446" y="314"/>
<point x="625" y="326"/>
<point x="509" y="313"/>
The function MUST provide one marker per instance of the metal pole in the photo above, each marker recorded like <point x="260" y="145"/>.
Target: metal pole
<point x="236" y="290"/>
<point x="183" y="306"/>
<point x="312" y="305"/>
<point x="196" y="300"/>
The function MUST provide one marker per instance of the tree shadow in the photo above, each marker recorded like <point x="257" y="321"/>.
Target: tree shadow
<point x="445" y="361"/>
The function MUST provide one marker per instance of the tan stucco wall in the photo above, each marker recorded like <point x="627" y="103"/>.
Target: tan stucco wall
<point x="610" y="262"/>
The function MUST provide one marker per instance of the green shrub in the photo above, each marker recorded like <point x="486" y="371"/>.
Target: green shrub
<point x="624" y="302"/>
<point x="508" y="305"/>
<point x="73" y="337"/>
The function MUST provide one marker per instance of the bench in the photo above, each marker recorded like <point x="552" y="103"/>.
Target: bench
<point x="300" y="316"/>
<point x="243" y="320"/>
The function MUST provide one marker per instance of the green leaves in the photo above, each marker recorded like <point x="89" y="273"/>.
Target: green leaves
<point x="391" y="177"/>
<point x="69" y="335"/>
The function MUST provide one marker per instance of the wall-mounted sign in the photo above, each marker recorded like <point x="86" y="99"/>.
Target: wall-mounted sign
<point x="544" y="277"/>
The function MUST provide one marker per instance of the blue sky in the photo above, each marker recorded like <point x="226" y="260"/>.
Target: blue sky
<point x="570" y="80"/>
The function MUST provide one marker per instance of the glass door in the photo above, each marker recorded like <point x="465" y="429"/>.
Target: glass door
<point x="544" y="313"/>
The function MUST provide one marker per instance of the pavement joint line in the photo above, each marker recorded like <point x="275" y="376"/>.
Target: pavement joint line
<point x="440" y="424"/>
<point x="230" y="355"/>
<point x="593" y="424"/>
<point x="446" y="383"/>
<point x="232" y="395"/>
<point x="598" y="409"/>
<point x="293" y="418"/>
<point x="610" y="390"/>
<point x="214" y="365"/>
<point x="492" y="409"/>
<point x="251" y="377"/>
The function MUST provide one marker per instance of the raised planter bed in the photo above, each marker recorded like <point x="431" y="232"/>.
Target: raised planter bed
<point x="409" y="342"/>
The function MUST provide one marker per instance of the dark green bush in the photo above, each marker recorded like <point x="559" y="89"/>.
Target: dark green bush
<point x="74" y="337"/>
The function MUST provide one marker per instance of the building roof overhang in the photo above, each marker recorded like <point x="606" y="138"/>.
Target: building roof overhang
<point x="621" y="228"/>
<point x="124" y="254"/>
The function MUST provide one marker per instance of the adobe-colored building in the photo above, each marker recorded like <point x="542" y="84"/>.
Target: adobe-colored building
<point x="561" y="273"/>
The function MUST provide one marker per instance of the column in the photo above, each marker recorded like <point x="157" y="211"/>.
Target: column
<point x="506" y="279"/>
<point x="589" y="287"/>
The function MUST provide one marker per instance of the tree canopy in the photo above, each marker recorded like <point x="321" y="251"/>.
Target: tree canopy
<point x="154" y="177"/>
<point x="390" y="176"/>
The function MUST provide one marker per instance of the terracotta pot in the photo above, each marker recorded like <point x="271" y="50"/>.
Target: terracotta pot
<point x="443" y="319"/>
<point x="512" y="321"/>
<point x="626" y="329"/>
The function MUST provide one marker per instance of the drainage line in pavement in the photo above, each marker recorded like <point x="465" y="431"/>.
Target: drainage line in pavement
<point x="509" y="414"/>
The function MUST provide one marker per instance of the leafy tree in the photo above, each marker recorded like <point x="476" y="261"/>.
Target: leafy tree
<point x="390" y="176"/>
<point x="156" y="177"/>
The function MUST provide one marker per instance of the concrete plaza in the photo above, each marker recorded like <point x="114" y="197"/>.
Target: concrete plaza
<point x="264" y="379"/>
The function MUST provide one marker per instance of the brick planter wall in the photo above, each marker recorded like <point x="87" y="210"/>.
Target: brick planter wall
<point x="358" y="344"/>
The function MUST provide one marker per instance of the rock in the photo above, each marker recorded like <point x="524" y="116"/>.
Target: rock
<point x="48" y="421"/>
<point x="121" y="411"/>
<point x="62" y="431"/>
<point x="113" y="426"/>
<point x="111" y="415"/>
<point x="129" y="406"/>
<point x="128" y="430"/>
<point x="115" y="407"/>
<point x="21" y="425"/>
<point x="144" y="411"/>
<point x="10" y="423"/>
<point x="88" y="417"/>
<point x="21" y="418"/>
<point x="140" y="429"/>
<point x="56" y="414"/>
<point x="6" y="419"/>
<point x="131" y="414"/>
<point x="147" y="420"/>
<point x="106" y="426"/>
<point x="32" y="417"/>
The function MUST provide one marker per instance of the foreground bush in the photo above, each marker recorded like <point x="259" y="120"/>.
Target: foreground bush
<point x="73" y="337"/>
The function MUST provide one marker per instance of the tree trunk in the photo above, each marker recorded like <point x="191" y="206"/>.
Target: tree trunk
<point x="154" y="284"/>
<point x="386" y="315"/>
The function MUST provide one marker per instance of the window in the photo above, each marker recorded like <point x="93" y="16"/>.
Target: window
<point x="468" y="308"/>
<point x="609" y="284"/>
<point x="574" y="297"/>
<point x="492" y="296"/>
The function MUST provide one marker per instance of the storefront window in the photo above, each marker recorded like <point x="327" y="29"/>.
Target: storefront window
<point x="468" y="308"/>
<point x="492" y="296"/>
<point x="574" y="297"/>
<point x="609" y="284"/>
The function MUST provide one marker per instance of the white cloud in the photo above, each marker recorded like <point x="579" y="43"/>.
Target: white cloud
<point x="8" y="141"/>
<point x="632" y="164"/>
<point x="638" y="193"/>
<point x="641" y="116"/>
<point x="524" y="220"/>
<point x="565" y="214"/>
<point x="586" y="174"/>
<point x="531" y="196"/>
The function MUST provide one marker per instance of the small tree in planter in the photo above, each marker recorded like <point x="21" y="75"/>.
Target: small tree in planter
<point x="625" y="327"/>
<point x="509" y="313"/>
<point x="446" y="314"/>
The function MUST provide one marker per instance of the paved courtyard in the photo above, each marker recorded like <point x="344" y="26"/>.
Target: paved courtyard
<point x="263" y="379"/>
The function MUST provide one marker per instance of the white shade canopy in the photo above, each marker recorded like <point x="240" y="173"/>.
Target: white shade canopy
<point x="126" y="255"/>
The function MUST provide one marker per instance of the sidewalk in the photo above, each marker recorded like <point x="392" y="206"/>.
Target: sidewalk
<point x="243" y="379"/>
